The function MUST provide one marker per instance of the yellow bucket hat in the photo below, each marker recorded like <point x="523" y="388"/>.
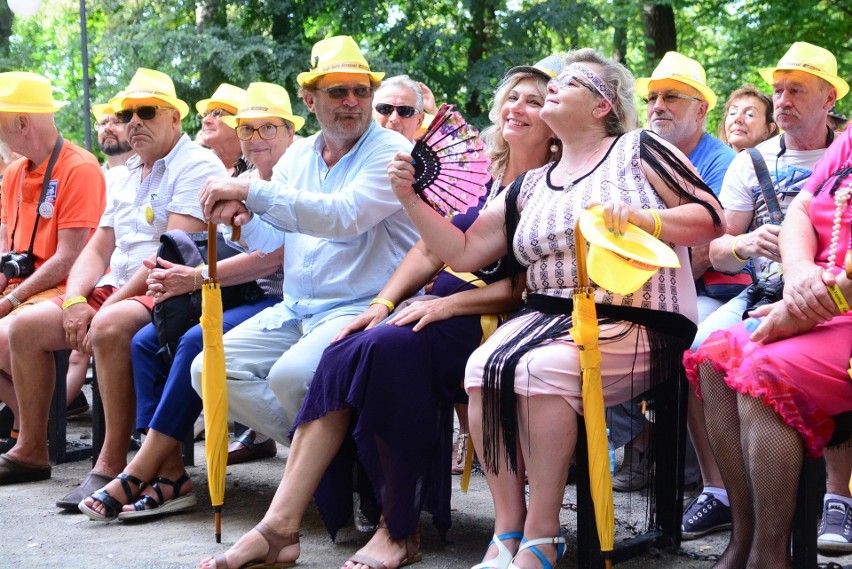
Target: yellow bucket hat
<point x="678" y="67"/>
<point x="622" y="264"/>
<point x="25" y="92"/>
<point x="810" y="58"/>
<point x="226" y="95"/>
<point x="150" y="84"/>
<point x="101" y="109"/>
<point x="265" y="100"/>
<point x="338" y="54"/>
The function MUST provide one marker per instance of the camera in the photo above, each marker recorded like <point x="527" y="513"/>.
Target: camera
<point x="20" y="265"/>
<point x="761" y="293"/>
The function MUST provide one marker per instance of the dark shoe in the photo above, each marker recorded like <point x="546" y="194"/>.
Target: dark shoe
<point x="835" y="528"/>
<point x="148" y="506"/>
<point x="94" y="481"/>
<point x="7" y="443"/>
<point x="244" y="449"/>
<point x="15" y="472"/>
<point x="705" y="515"/>
<point x="78" y="406"/>
<point x="112" y="507"/>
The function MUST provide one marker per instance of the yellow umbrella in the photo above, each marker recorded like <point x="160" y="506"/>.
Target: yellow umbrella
<point x="214" y="390"/>
<point x="585" y="332"/>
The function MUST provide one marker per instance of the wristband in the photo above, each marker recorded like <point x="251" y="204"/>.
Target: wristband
<point x="72" y="301"/>
<point x="194" y="280"/>
<point x="383" y="301"/>
<point x="838" y="298"/>
<point x="734" y="251"/>
<point x="411" y="205"/>
<point x="658" y="223"/>
<point x="13" y="300"/>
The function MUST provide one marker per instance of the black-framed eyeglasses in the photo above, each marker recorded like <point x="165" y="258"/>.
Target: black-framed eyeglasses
<point x="338" y="93"/>
<point x="404" y="111"/>
<point x="145" y="113"/>
<point x="669" y="98"/>
<point x="264" y="131"/>
<point x="216" y="113"/>
<point x="567" y="79"/>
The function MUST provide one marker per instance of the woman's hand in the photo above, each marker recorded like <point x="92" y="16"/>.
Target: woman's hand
<point x="805" y="292"/>
<point x="169" y="279"/>
<point x="617" y="215"/>
<point x="370" y="318"/>
<point x="424" y="312"/>
<point x="401" y="173"/>
<point x="76" y="320"/>
<point x="778" y="323"/>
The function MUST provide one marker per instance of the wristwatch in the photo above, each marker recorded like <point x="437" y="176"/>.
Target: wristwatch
<point x="205" y="272"/>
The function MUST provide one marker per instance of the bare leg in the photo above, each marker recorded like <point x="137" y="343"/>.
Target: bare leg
<point x="78" y="365"/>
<point x="7" y="389"/>
<point x="710" y="475"/>
<point x="314" y="446"/>
<point x="838" y="463"/>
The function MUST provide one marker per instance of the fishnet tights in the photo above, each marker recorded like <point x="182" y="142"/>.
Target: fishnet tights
<point x="760" y="459"/>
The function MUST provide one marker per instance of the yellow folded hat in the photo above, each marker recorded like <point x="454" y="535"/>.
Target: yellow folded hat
<point x="226" y="95"/>
<point x="150" y="84"/>
<point x="25" y="92"/>
<point x="622" y="264"/>
<point x="804" y="56"/>
<point x="338" y="54"/>
<point x="678" y="67"/>
<point x="265" y="100"/>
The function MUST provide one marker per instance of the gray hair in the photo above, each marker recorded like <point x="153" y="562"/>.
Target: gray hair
<point x="405" y="82"/>
<point x="624" y="116"/>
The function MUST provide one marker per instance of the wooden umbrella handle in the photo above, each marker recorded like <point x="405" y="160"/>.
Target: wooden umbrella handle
<point x="211" y="251"/>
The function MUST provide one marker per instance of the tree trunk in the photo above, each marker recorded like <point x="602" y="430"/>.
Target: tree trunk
<point x="210" y="14"/>
<point x="482" y="23"/>
<point x="660" y="31"/>
<point x="6" y="20"/>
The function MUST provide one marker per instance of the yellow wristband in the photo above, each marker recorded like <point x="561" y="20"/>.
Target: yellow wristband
<point x="838" y="298"/>
<point x="734" y="251"/>
<point x="72" y="301"/>
<point x="658" y="223"/>
<point x="384" y="301"/>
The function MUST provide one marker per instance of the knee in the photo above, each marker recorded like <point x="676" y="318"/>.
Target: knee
<point x="289" y="385"/>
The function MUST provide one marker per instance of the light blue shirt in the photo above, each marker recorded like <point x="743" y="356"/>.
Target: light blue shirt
<point x="711" y="157"/>
<point x="343" y="229"/>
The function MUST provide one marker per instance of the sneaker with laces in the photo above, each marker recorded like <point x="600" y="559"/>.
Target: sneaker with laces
<point x="835" y="528"/>
<point x="706" y="514"/>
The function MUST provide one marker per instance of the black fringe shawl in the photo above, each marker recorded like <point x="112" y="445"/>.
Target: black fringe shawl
<point x="838" y="177"/>
<point x="669" y="334"/>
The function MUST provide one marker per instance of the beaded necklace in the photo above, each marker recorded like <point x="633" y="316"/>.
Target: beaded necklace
<point x="841" y="200"/>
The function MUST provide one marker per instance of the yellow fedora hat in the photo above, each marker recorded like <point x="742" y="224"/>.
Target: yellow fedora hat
<point x="622" y="264"/>
<point x="810" y="58"/>
<point x="338" y="54"/>
<point x="150" y="84"/>
<point x="25" y="92"/>
<point x="678" y="67"/>
<point x="226" y="95"/>
<point x="101" y="109"/>
<point x="265" y="100"/>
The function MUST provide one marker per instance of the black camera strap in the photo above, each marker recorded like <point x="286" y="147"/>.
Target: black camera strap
<point x="44" y="184"/>
<point x="776" y="216"/>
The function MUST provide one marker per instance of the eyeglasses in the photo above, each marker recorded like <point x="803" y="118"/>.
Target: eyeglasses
<point x="338" y="93"/>
<point x="670" y="98"/>
<point x="404" y="111"/>
<point x="264" y="131"/>
<point x="103" y="124"/>
<point x="216" y="113"/>
<point x="145" y="113"/>
<point x="567" y="80"/>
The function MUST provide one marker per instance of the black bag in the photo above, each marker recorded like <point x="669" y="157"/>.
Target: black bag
<point x="174" y="316"/>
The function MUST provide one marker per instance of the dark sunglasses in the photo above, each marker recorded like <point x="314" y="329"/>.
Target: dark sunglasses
<point x="338" y="93"/>
<point x="403" y="111"/>
<point x="216" y="113"/>
<point x="145" y="113"/>
<point x="265" y="131"/>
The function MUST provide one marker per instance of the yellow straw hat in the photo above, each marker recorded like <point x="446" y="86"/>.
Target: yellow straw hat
<point x="678" y="67"/>
<point x="810" y="58"/>
<point x="150" y="84"/>
<point x="622" y="264"/>
<point x="265" y="100"/>
<point x="101" y="109"/>
<point x="25" y="92"/>
<point x="549" y="68"/>
<point x="226" y="95"/>
<point x="338" y="54"/>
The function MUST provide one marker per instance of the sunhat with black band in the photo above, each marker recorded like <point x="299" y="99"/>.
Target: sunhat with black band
<point x="622" y="264"/>
<point x="25" y="92"/>
<point x="686" y="70"/>
<point x="149" y="84"/>
<point x="227" y="96"/>
<point x="265" y="100"/>
<point x="338" y="54"/>
<point x="810" y="58"/>
<point x="548" y="68"/>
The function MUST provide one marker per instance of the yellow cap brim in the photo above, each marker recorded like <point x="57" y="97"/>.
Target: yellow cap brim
<point x="309" y="77"/>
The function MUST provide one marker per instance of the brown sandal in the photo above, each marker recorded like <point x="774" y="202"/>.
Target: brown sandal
<point x="275" y="541"/>
<point x="412" y="552"/>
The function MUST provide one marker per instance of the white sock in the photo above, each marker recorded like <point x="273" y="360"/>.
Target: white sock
<point x="719" y="493"/>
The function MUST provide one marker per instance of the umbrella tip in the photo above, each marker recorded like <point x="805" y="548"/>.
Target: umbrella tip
<point x="218" y="538"/>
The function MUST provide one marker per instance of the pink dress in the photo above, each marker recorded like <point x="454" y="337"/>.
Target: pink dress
<point x="805" y="378"/>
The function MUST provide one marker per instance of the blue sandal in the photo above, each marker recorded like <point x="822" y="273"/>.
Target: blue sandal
<point x="531" y="545"/>
<point x="504" y="556"/>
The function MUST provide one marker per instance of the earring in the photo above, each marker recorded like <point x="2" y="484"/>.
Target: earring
<point x="554" y="148"/>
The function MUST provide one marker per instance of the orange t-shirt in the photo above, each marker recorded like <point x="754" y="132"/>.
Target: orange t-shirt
<point x="76" y="194"/>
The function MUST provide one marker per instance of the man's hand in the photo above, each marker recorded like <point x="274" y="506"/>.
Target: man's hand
<point x="76" y="320"/>
<point x="5" y="308"/>
<point x="762" y="242"/>
<point x="218" y="190"/>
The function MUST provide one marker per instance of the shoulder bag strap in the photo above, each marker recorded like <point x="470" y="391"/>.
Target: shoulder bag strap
<point x="46" y="182"/>
<point x="776" y="216"/>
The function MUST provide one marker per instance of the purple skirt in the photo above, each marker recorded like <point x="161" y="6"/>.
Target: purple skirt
<point x="401" y="386"/>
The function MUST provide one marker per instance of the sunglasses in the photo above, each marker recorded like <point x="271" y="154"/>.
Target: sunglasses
<point x="215" y="113"/>
<point x="338" y="93"/>
<point x="567" y="80"/>
<point x="264" y="131"/>
<point x="670" y="98"/>
<point x="145" y="113"/>
<point x="404" y="111"/>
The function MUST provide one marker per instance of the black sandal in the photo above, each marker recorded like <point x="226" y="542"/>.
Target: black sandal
<point x="112" y="507"/>
<point x="148" y="506"/>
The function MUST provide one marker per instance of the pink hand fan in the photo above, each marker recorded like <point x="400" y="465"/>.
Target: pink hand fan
<point x="450" y="165"/>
